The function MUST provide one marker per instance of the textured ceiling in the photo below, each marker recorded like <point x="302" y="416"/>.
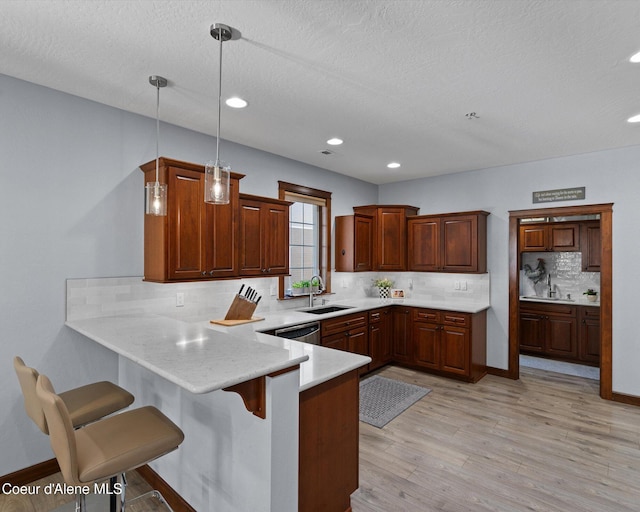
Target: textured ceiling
<point x="394" y="79"/>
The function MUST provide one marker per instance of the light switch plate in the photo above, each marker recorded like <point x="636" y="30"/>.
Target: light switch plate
<point x="179" y="299"/>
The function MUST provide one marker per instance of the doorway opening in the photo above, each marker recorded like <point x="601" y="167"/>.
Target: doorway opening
<point x="602" y="254"/>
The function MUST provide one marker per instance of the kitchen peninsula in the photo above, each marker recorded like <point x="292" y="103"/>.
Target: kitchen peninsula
<point x="231" y="459"/>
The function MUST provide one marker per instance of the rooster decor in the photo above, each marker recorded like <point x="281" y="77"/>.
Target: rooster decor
<point x="537" y="274"/>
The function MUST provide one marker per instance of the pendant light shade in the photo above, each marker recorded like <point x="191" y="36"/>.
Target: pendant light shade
<point x="216" y="173"/>
<point x="156" y="192"/>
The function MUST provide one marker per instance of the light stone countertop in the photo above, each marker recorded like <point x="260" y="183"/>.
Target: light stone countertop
<point x="573" y="302"/>
<point x="203" y="357"/>
<point x="190" y="355"/>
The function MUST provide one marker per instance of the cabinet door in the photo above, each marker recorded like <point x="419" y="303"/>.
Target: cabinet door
<point x="338" y="341"/>
<point x="532" y="331"/>
<point x="533" y="238"/>
<point x="426" y="344"/>
<point x="401" y="335"/>
<point x="276" y="239"/>
<point x="363" y="243"/>
<point x="186" y="221"/>
<point x="251" y="238"/>
<point x="589" y="350"/>
<point x="358" y="343"/>
<point x="460" y="244"/>
<point x="562" y="336"/>
<point x="423" y="242"/>
<point x="590" y="246"/>
<point x="564" y="236"/>
<point x="454" y="349"/>
<point x="222" y="240"/>
<point x="379" y="338"/>
<point x="391" y="239"/>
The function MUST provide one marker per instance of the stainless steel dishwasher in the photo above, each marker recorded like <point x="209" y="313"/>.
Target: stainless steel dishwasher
<point x="308" y="333"/>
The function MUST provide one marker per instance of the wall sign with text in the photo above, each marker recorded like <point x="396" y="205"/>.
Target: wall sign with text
<point x="560" y="194"/>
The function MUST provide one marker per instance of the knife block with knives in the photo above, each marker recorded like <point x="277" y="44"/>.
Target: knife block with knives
<point x="241" y="309"/>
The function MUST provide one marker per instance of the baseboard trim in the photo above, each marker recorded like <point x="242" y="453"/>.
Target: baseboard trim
<point x="175" y="501"/>
<point x="50" y="467"/>
<point x="31" y="474"/>
<point x="626" y="399"/>
<point x="500" y="373"/>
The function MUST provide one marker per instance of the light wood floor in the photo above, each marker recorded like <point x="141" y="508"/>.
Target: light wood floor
<point x="544" y="443"/>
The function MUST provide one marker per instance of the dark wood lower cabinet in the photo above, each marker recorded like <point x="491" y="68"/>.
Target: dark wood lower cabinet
<point x="589" y="347"/>
<point x="328" y="455"/>
<point x="380" y="324"/>
<point x="449" y="343"/>
<point x="560" y="331"/>
<point x="401" y="335"/>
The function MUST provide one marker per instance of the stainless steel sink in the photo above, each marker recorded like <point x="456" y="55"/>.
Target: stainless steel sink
<point x="324" y="309"/>
<point x="546" y="299"/>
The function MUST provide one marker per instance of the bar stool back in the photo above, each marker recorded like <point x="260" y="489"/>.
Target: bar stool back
<point x="107" y="447"/>
<point x="85" y="404"/>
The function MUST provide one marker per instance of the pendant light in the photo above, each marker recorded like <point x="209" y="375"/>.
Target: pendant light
<point x="156" y="192"/>
<point x="217" y="174"/>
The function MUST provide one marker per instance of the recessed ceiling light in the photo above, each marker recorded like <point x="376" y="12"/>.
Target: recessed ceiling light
<point x="236" y="102"/>
<point x="335" y="141"/>
<point x="393" y="165"/>
<point x="635" y="58"/>
<point x="634" y="119"/>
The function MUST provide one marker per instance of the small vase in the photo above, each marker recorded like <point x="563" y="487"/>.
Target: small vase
<point x="384" y="292"/>
<point x="592" y="298"/>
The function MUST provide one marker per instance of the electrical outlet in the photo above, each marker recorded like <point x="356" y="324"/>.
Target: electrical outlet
<point x="272" y="290"/>
<point x="456" y="285"/>
<point x="344" y="283"/>
<point x="463" y="285"/>
<point x="410" y="284"/>
<point x="179" y="299"/>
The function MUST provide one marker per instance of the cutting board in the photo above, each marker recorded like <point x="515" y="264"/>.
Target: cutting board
<point x="231" y="323"/>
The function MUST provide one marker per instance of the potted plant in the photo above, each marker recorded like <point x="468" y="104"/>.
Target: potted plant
<point x="591" y="294"/>
<point x="384" y="287"/>
<point x="297" y="288"/>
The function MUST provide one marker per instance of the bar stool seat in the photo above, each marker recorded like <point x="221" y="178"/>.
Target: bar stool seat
<point x="85" y="404"/>
<point x="107" y="447"/>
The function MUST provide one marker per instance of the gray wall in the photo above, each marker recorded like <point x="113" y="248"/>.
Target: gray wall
<point x="609" y="177"/>
<point x="71" y="203"/>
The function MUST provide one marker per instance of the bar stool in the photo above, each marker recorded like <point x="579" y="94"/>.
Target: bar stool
<point x="85" y="404"/>
<point x="107" y="447"/>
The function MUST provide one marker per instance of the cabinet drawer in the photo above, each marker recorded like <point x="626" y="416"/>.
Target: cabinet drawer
<point x="590" y="312"/>
<point x="459" y="319"/>
<point x="545" y="309"/>
<point x="343" y="323"/>
<point x="426" y="315"/>
<point x="375" y="316"/>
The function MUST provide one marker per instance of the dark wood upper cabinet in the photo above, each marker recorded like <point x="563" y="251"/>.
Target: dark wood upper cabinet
<point x="454" y="242"/>
<point x="390" y="234"/>
<point x="195" y="240"/>
<point x="264" y="236"/>
<point x="590" y="245"/>
<point x="354" y="243"/>
<point x="552" y="236"/>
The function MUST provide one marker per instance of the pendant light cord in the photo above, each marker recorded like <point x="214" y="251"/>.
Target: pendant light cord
<point x="219" y="97"/>
<point x="157" y="132"/>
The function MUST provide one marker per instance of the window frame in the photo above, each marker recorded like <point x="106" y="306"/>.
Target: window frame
<point x="324" y="228"/>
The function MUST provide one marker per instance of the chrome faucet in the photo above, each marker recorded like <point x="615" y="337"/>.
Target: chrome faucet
<point x="320" y="288"/>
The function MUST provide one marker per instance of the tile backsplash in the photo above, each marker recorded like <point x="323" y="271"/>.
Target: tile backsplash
<point x="90" y="298"/>
<point x="565" y="269"/>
